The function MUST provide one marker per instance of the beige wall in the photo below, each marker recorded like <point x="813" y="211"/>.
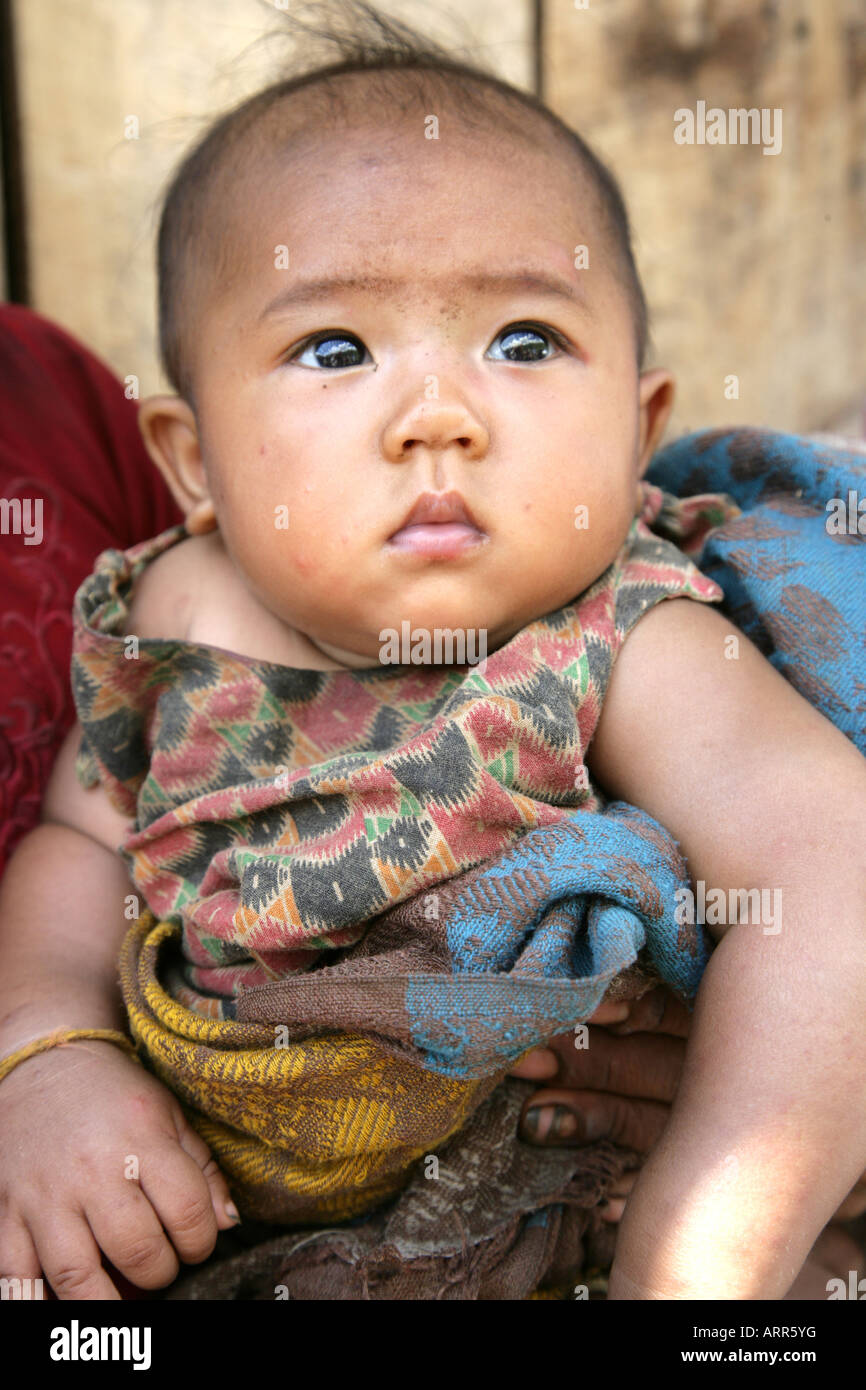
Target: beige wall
<point x="753" y="264"/>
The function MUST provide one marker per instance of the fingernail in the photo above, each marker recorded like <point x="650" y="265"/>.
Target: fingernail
<point x="564" y="1122"/>
<point x="550" y="1122"/>
<point x="539" y="1123"/>
<point x="232" y="1213"/>
<point x="532" y="1120"/>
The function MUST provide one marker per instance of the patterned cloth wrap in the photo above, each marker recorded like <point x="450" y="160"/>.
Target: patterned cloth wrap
<point x="369" y="892"/>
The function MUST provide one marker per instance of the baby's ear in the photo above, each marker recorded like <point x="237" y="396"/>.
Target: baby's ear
<point x="170" y="433"/>
<point x="656" y="391"/>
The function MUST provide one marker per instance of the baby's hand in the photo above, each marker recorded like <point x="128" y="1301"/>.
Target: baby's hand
<point x="96" y="1158"/>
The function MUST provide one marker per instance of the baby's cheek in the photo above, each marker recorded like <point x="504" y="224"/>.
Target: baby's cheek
<point x="283" y="552"/>
<point x="315" y="554"/>
<point x="289" y="532"/>
<point x="305" y="566"/>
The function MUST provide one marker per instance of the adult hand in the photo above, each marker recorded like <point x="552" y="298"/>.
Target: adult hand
<point x="619" y="1087"/>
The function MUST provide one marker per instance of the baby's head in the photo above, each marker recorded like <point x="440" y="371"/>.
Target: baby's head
<point x="390" y="277"/>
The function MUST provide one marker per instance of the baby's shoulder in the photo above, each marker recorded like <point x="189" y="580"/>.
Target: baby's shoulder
<point x="168" y="591"/>
<point x="193" y="592"/>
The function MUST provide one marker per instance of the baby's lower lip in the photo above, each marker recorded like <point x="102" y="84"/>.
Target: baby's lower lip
<point x="443" y="539"/>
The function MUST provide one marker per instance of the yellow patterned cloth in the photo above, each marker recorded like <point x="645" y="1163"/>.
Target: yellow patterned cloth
<point x="360" y="1114"/>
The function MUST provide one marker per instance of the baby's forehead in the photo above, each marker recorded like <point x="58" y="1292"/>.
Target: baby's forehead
<point x="377" y="119"/>
<point x="379" y="177"/>
<point x="301" y="166"/>
<point x="495" y="155"/>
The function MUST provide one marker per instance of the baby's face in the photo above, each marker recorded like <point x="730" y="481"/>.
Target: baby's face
<point x="430" y="335"/>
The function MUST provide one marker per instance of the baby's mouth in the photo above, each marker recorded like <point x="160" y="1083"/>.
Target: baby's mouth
<point x="445" y="540"/>
<point x="438" y="525"/>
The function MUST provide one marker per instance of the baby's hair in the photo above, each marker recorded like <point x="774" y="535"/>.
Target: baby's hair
<point x="404" y="70"/>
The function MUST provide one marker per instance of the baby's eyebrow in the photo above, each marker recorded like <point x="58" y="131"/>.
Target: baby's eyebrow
<point x="304" y="293"/>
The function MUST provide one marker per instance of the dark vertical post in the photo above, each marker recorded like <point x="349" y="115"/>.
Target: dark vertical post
<point x="14" y="211"/>
<point x="538" y="45"/>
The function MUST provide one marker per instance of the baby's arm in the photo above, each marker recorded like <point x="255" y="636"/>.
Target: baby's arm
<point x="768" y="1130"/>
<point x="74" y="1118"/>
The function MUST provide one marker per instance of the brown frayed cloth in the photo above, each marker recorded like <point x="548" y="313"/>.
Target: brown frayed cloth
<point x="492" y="1218"/>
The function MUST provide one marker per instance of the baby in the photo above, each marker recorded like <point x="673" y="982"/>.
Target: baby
<point x="400" y="310"/>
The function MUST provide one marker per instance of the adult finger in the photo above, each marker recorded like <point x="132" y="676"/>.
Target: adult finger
<point x="541" y="1064"/>
<point x="571" y="1118"/>
<point x="854" y="1204"/>
<point x="613" y="1209"/>
<point x="646" y="1066"/>
<point x="618" y="1011"/>
<point x="657" y="1011"/>
<point x="622" y="1186"/>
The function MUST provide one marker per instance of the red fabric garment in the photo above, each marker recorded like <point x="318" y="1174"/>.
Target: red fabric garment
<point x="69" y="436"/>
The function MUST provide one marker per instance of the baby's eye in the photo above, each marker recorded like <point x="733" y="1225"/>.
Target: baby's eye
<point x="331" y="349"/>
<point x="524" y="342"/>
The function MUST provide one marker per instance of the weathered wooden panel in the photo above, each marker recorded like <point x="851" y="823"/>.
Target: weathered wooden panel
<point x="90" y="69"/>
<point x="753" y="264"/>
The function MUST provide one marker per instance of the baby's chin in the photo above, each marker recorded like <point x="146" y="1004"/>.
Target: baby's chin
<point x="446" y="619"/>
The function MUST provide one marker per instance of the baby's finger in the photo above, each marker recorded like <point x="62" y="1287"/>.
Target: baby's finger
<point x="179" y="1194"/>
<point x="70" y="1258"/>
<point x="613" y="1209"/>
<point x="127" y="1229"/>
<point x="18" y="1257"/>
<point x="225" y="1211"/>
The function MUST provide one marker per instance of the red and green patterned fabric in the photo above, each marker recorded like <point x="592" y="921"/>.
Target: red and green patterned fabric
<point x="277" y="810"/>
